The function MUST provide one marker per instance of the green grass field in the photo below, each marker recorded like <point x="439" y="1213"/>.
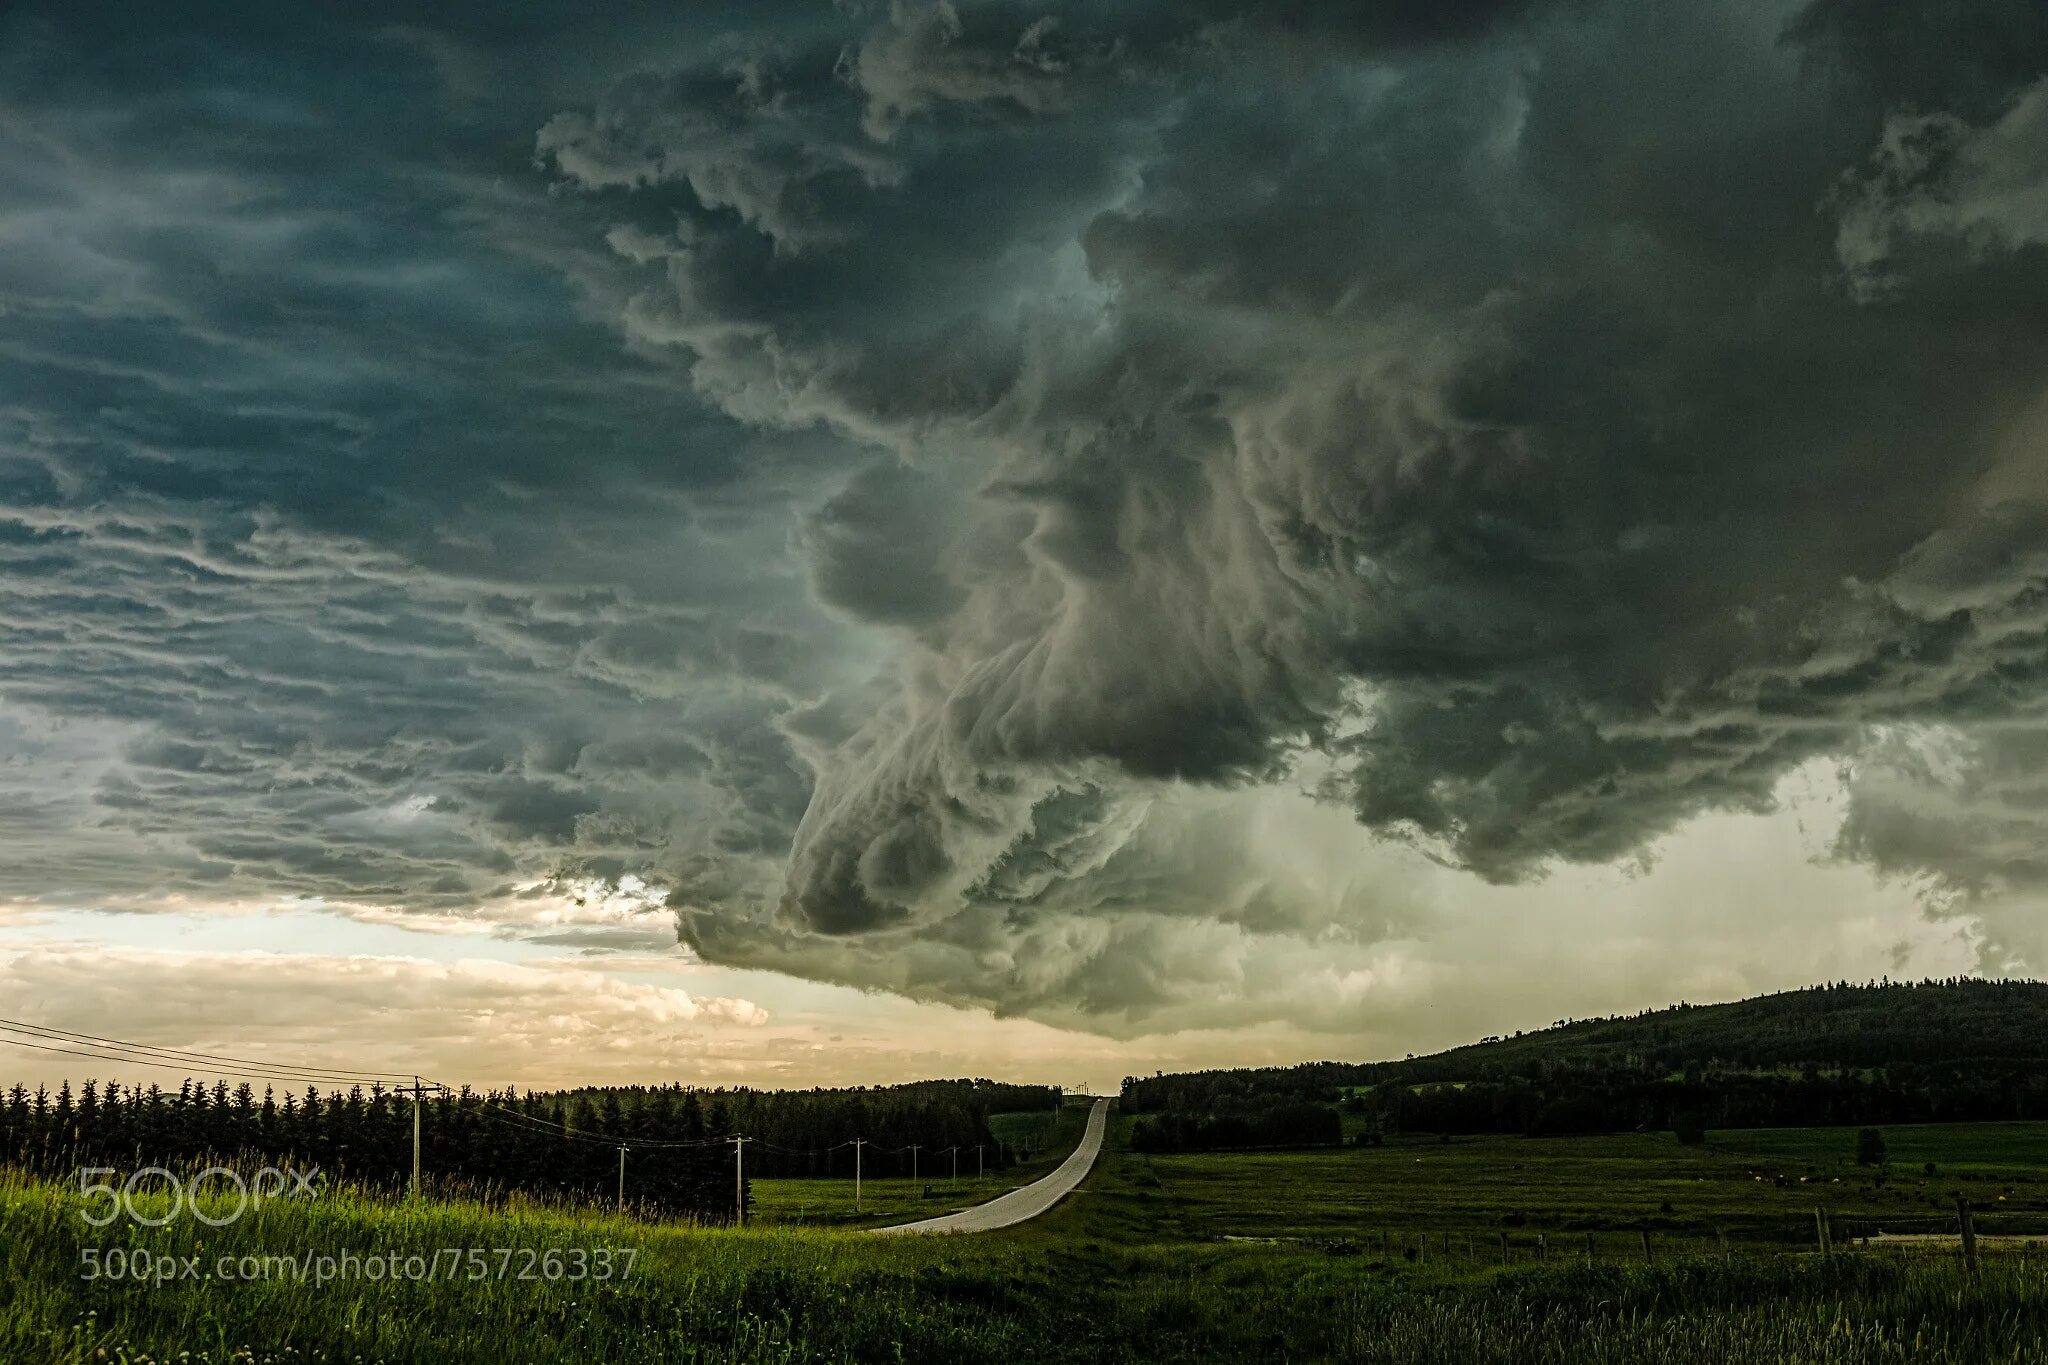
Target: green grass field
<point x="2016" y="1151"/>
<point x="1610" y="1186"/>
<point x="1137" y="1265"/>
<point x="830" y="1202"/>
<point x="1030" y="1132"/>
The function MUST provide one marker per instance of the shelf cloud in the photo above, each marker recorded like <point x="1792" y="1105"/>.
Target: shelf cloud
<point x="941" y="488"/>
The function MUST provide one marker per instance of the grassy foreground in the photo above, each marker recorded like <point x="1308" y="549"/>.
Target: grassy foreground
<point x="1101" y="1278"/>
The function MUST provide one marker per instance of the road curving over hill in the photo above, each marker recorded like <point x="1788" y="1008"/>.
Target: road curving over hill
<point x="1026" y="1201"/>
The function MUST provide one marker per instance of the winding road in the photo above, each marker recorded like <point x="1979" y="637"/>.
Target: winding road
<point x="1026" y="1201"/>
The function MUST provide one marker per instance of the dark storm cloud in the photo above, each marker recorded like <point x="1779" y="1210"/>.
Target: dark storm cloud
<point x="344" y="555"/>
<point x="883" y="469"/>
<point x="1539" y="412"/>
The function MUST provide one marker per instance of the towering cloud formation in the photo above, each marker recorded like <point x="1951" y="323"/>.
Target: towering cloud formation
<point x="1560" y="419"/>
<point x="1053" y="437"/>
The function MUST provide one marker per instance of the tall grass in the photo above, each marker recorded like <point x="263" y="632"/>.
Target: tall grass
<point x="1064" y="1289"/>
<point x="1844" y="1309"/>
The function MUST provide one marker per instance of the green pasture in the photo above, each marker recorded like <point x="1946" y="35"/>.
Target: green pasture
<point x="1267" y="1256"/>
<point x="830" y="1201"/>
<point x="1988" y="1150"/>
<point x="1613" y="1187"/>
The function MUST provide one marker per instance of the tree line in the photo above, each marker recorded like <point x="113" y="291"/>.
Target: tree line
<point x="1285" y="1125"/>
<point x="1595" y="1101"/>
<point x="1877" y="1053"/>
<point x="807" y="1132"/>
<point x="561" y="1146"/>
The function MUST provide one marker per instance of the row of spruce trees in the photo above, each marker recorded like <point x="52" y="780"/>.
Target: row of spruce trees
<point x="491" y="1144"/>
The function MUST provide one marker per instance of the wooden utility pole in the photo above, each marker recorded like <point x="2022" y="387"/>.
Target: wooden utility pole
<point x="858" y="1143"/>
<point x="913" y="1163"/>
<point x="979" y="1172"/>
<point x="622" y="1177"/>
<point x="956" y="1164"/>
<point x="418" y="1092"/>
<point x="739" y="1178"/>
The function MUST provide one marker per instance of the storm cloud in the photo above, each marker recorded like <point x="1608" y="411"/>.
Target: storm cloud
<point x="934" y="484"/>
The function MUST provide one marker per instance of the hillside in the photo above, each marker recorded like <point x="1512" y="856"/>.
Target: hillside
<point x="1881" y="1052"/>
<point x="1841" y="1025"/>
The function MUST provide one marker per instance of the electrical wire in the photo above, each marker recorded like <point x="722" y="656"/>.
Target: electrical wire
<point x="259" y="1073"/>
<point x="95" y="1047"/>
<point x="147" y="1051"/>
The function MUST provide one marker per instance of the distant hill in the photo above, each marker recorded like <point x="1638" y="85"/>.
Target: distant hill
<point x="1879" y="1052"/>
<point x="1841" y="1025"/>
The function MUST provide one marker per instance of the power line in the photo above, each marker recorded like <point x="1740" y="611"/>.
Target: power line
<point x="96" y="1047"/>
<point x="536" y="1123"/>
<point x="800" y="1151"/>
<point x="339" y="1073"/>
<point x="259" y="1073"/>
<point x="333" y="1075"/>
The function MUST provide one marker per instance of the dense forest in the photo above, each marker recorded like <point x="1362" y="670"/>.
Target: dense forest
<point x="1883" y="1052"/>
<point x="679" y="1158"/>
<point x="1299" y="1124"/>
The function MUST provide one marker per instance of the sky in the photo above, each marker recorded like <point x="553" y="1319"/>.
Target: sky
<point x="833" y="542"/>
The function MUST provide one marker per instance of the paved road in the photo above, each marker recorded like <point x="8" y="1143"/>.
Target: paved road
<point x="1027" y="1201"/>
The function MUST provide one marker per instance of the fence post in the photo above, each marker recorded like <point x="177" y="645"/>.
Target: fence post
<point x="1503" y="1248"/>
<point x="1969" y="1231"/>
<point x="1647" y="1255"/>
<point x="1542" y="1246"/>
<point x="1589" y="1248"/>
<point x="1820" y="1230"/>
<point x="1386" y="1245"/>
<point x="1721" y="1235"/>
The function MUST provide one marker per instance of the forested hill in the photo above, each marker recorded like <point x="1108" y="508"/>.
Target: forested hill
<point x="1837" y="1053"/>
<point x="1841" y="1025"/>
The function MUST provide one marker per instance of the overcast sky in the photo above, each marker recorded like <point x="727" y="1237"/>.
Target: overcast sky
<point x="784" y="542"/>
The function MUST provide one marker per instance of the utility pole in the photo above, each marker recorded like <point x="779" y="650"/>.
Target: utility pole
<point x="418" y="1092"/>
<point x="913" y="1163"/>
<point x="858" y="1143"/>
<point x="739" y="1178"/>
<point x="956" y="1164"/>
<point x="622" y="1177"/>
<point x="977" y="1161"/>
